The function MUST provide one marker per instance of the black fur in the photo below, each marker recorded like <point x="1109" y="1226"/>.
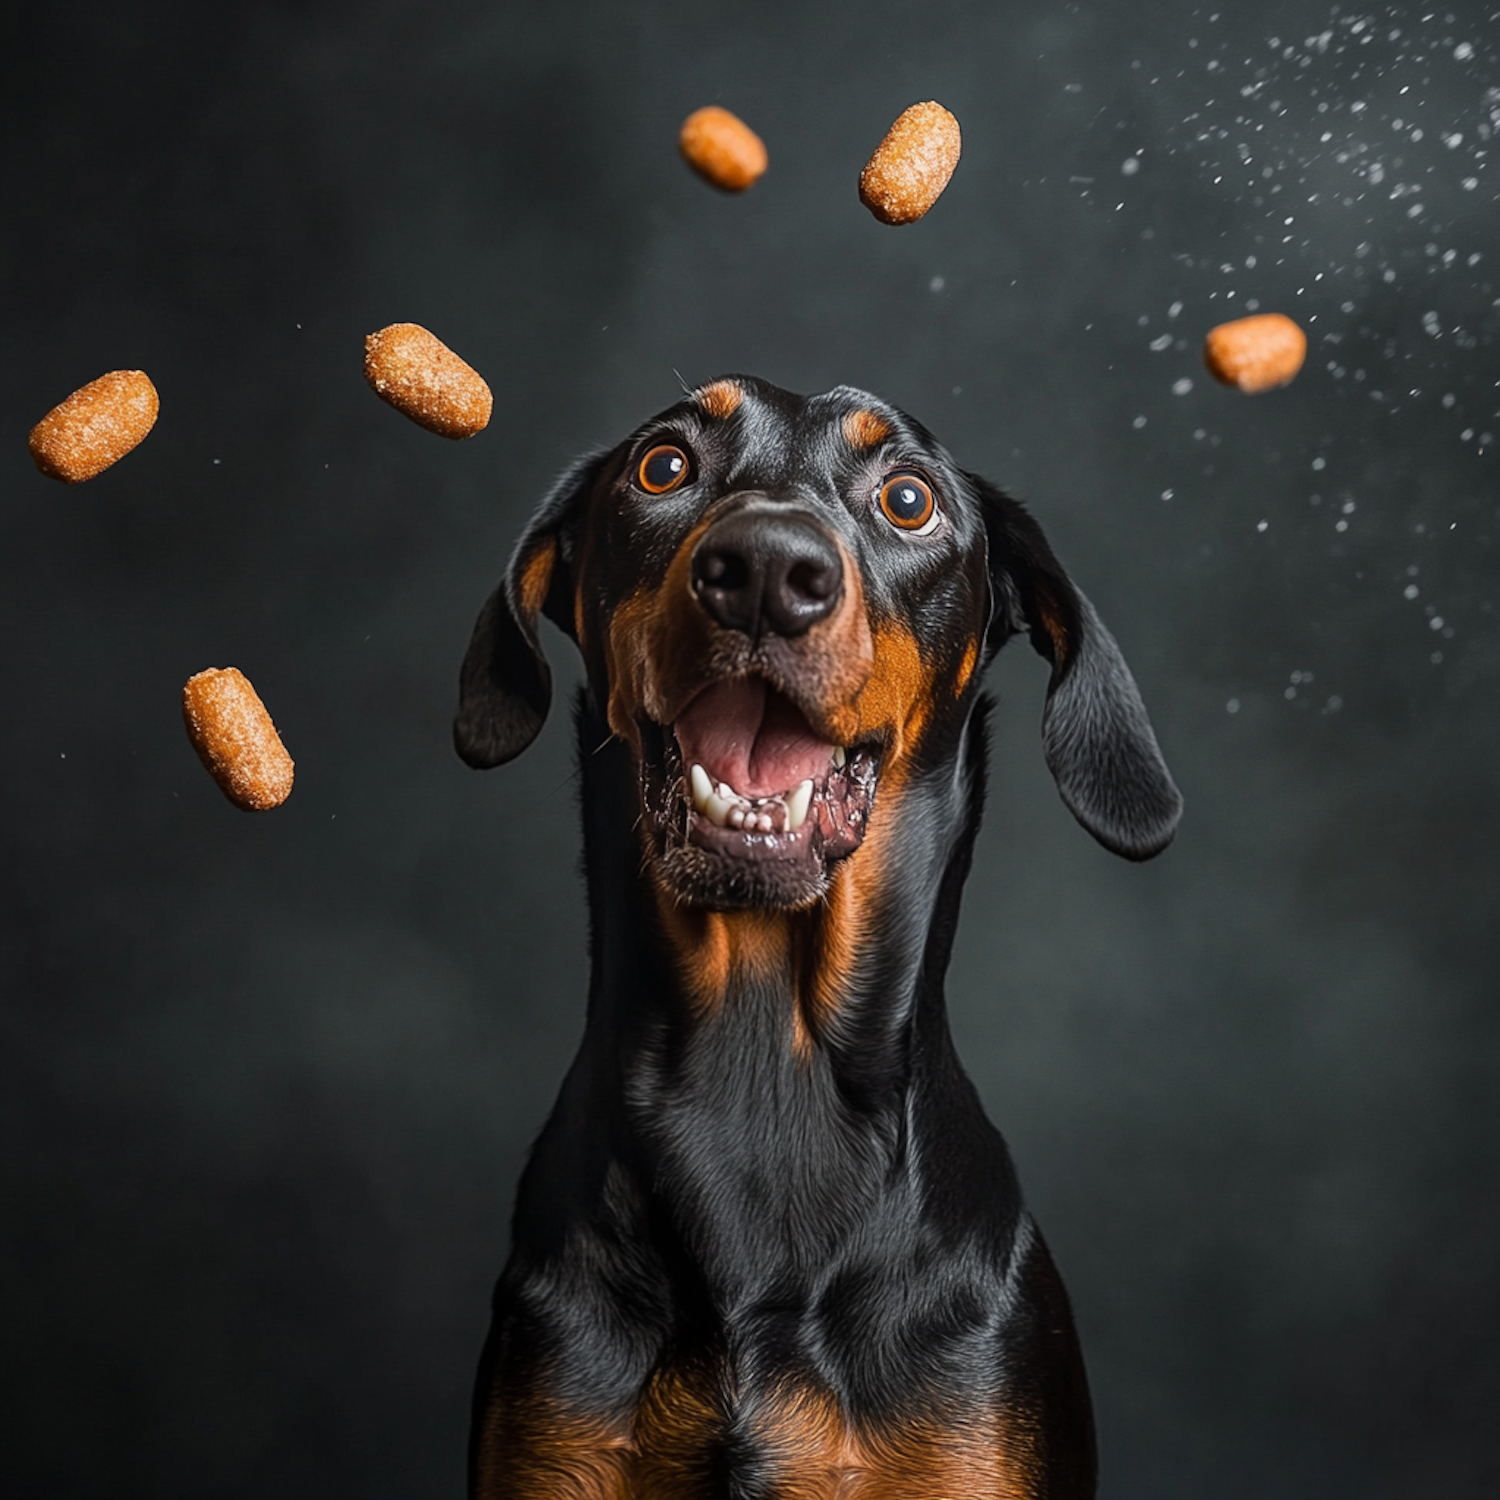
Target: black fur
<point x="709" y="1200"/>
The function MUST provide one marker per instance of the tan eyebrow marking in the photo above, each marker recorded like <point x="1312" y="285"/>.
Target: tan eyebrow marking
<point x="864" y="429"/>
<point x="721" y="399"/>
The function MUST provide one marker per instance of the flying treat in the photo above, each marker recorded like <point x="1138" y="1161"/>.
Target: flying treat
<point x="723" y="149"/>
<point x="912" y="165"/>
<point x="1255" y="354"/>
<point x="236" y="740"/>
<point x="420" y="376"/>
<point x="95" y="427"/>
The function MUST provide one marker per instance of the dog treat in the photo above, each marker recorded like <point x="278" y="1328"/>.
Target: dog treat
<point x="420" y="376"/>
<point x="912" y="165"/>
<point x="95" y="427"/>
<point x="236" y="740"/>
<point x="723" y="149"/>
<point x="1255" y="354"/>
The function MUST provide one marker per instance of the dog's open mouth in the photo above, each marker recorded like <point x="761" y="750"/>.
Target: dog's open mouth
<point x="747" y="803"/>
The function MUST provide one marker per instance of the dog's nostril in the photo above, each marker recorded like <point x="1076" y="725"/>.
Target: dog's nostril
<point x="813" y="580"/>
<point x="724" y="570"/>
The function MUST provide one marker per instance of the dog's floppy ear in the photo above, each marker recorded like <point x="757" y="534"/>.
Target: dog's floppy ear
<point x="505" y="685"/>
<point x="1097" y="740"/>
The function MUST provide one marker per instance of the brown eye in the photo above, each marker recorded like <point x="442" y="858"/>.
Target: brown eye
<point x="663" y="469"/>
<point x="907" y="502"/>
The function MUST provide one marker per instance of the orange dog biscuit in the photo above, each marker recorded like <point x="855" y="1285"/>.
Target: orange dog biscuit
<point x="420" y="376"/>
<point x="722" y="148"/>
<point x="95" y="427"/>
<point x="1257" y="353"/>
<point x="912" y="165"/>
<point x="236" y="740"/>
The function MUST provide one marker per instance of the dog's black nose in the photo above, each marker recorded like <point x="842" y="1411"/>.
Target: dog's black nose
<point x="767" y="571"/>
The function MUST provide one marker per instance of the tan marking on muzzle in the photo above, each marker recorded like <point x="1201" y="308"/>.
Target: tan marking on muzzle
<point x="663" y="648"/>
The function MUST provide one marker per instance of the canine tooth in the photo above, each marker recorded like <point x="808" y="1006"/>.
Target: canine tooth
<point x="702" y="788"/>
<point x="705" y="800"/>
<point x="838" y="756"/>
<point x="797" y="803"/>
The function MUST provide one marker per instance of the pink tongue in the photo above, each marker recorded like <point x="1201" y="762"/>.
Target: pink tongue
<point x="745" y="733"/>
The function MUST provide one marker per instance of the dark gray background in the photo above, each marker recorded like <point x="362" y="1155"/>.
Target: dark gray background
<point x="266" y="1081"/>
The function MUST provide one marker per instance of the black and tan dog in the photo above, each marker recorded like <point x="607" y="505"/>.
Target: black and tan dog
<point x="768" y="1244"/>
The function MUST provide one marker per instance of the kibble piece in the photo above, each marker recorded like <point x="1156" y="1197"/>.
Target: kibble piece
<point x="1255" y="354"/>
<point x="95" y="427"/>
<point x="420" y="376"/>
<point x="912" y="165"/>
<point x="236" y="740"/>
<point x="722" y="148"/>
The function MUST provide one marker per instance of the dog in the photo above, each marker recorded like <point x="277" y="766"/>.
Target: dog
<point x="768" y="1244"/>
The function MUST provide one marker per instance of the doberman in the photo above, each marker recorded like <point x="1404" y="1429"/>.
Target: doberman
<point x="768" y="1245"/>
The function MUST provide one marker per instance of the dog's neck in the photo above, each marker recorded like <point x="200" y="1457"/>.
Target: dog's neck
<point x="731" y="1040"/>
<point x="841" y="975"/>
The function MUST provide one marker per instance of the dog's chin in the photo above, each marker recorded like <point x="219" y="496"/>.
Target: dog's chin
<point x="805" y="803"/>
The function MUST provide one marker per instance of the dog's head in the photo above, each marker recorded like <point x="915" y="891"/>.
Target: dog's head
<point x="785" y="605"/>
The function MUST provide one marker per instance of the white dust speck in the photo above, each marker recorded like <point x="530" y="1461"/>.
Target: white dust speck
<point x="1181" y="387"/>
<point x="1130" y="166"/>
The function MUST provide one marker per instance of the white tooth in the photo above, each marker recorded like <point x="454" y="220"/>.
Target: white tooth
<point x="797" y="804"/>
<point x="727" y="792"/>
<point x="838" y="756"/>
<point x="736" y="816"/>
<point x="716" y="810"/>
<point x="702" y="788"/>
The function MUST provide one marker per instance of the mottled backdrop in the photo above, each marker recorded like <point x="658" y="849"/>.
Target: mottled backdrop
<point x="266" y="1081"/>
